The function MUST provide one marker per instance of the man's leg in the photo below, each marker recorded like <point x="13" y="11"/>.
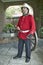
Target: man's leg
<point x="20" y="49"/>
<point x="28" y="49"/>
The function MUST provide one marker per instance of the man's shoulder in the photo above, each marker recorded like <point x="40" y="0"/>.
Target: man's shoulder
<point x="29" y="15"/>
<point x="20" y="16"/>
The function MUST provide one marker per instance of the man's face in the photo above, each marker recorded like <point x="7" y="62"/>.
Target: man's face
<point x="24" y="10"/>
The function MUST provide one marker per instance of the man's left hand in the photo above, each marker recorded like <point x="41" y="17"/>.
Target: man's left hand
<point x="29" y="36"/>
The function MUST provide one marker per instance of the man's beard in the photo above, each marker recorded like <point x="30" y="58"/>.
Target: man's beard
<point x="24" y="14"/>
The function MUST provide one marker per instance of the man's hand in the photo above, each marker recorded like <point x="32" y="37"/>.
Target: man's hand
<point x="29" y="36"/>
<point x="17" y="27"/>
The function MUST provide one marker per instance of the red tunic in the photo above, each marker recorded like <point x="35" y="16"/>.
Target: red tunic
<point x="26" y="23"/>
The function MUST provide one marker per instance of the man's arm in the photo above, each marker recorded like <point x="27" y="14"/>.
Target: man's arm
<point x="18" y="24"/>
<point x="33" y="26"/>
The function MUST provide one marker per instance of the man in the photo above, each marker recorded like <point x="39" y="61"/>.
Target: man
<point x="26" y="27"/>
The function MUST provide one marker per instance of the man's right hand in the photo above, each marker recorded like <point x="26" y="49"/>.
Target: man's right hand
<point x="18" y="28"/>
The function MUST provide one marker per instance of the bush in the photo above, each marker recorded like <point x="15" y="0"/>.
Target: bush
<point x="9" y="28"/>
<point x="41" y="32"/>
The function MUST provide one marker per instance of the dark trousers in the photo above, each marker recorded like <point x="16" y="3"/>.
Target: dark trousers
<point x="27" y="47"/>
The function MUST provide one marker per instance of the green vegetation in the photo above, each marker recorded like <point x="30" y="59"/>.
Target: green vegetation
<point x="9" y="28"/>
<point x="41" y="31"/>
<point x="12" y="10"/>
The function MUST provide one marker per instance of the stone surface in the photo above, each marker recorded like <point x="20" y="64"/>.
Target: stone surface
<point x="8" y="51"/>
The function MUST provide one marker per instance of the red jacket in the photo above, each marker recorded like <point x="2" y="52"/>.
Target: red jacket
<point x="26" y="23"/>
